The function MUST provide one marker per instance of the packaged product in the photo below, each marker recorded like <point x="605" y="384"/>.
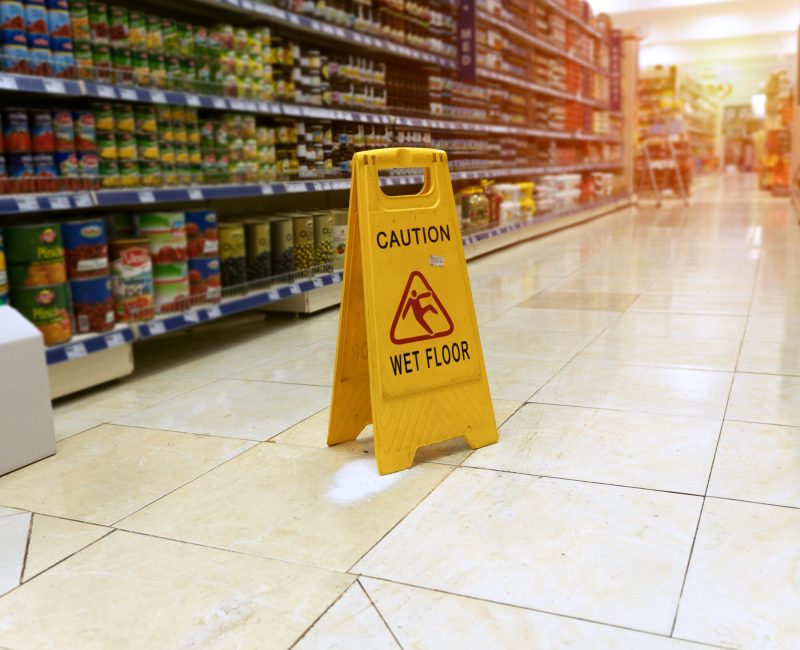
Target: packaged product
<point x="92" y="304"/>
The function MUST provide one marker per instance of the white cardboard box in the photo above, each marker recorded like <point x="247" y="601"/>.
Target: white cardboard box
<point x="27" y="433"/>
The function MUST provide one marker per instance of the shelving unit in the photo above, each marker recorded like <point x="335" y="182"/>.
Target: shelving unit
<point x="547" y="64"/>
<point x="673" y="107"/>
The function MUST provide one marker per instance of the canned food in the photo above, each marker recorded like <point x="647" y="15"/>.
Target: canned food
<point x="169" y="36"/>
<point x="205" y="280"/>
<point x="12" y="15"/>
<point x="35" y="17"/>
<point x="58" y="23"/>
<point x="86" y="248"/>
<point x="47" y="308"/>
<point x="155" y="38"/>
<point x="124" y="120"/>
<point x="140" y="64"/>
<point x="148" y="147"/>
<point x="129" y="175"/>
<point x="15" y="53"/>
<point x="132" y="279"/>
<point x="146" y="121"/>
<point x="98" y="23"/>
<point x="171" y="286"/>
<point x="66" y="164"/>
<point x="44" y="168"/>
<point x="118" y="26"/>
<point x="40" y="60"/>
<point x="166" y="234"/>
<point x="201" y="233"/>
<point x="232" y="254"/>
<point x="37" y="243"/>
<point x="88" y="165"/>
<point x="64" y="63"/>
<point x="339" y="238"/>
<point x="106" y="147"/>
<point x="137" y="30"/>
<point x="282" y="245"/>
<point x="79" y="19"/>
<point x="303" y="231"/>
<point x="150" y="172"/>
<point x="126" y="147"/>
<point x="259" y="257"/>
<point x="63" y="131"/>
<point x="323" y="238"/>
<point x="92" y="304"/>
<point x="85" y="131"/>
<point x="16" y="136"/>
<point x="84" y="61"/>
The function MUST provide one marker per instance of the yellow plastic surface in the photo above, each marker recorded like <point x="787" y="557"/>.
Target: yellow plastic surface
<point x="408" y="355"/>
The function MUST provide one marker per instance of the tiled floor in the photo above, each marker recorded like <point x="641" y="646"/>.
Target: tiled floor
<point x="645" y="492"/>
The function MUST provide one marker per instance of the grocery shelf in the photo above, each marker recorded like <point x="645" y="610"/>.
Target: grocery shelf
<point x="43" y="85"/>
<point x="148" y="197"/>
<point x="539" y="43"/>
<point x="474" y="244"/>
<point x="234" y="305"/>
<point x="80" y="346"/>
<point x="575" y="19"/>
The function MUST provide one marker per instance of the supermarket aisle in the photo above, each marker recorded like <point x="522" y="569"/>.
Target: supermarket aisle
<point x="646" y="373"/>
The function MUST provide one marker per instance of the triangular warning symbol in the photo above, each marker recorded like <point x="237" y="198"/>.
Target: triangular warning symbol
<point x="420" y="315"/>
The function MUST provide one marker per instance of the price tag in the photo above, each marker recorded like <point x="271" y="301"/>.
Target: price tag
<point x="327" y="29"/>
<point x="114" y="340"/>
<point x="337" y="278"/>
<point x="288" y="109"/>
<point x="247" y="4"/>
<point x="295" y="20"/>
<point x="27" y="203"/>
<point x="157" y="328"/>
<point x="158" y="97"/>
<point x="195" y="194"/>
<point x="214" y="312"/>
<point x="219" y="103"/>
<point x="146" y="196"/>
<point x="191" y="317"/>
<point x="192" y="100"/>
<point x="107" y="92"/>
<point x="83" y="200"/>
<point x="237" y="104"/>
<point x="59" y="203"/>
<point x="7" y="83"/>
<point x="273" y="296"/>
<point x="263" y="107"/>
<point x="296" y="187"/>
<point x="266" y="189"/>
<point x="75" y="351"/>
<point x="318" y="283"/>
<point x="54" y="86"/>
<point x="129" y="94"/>
<point x="294" y="290"/>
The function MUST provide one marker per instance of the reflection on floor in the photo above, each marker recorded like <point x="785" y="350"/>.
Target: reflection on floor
<point x="645" y="493"/>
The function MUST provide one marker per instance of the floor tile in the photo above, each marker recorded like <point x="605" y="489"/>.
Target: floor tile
<point x="663" y="351"/>
<point x="772" y="328"/>
<point x="250" y="410"/>
<point x="291" y="503"/>
<point x="229" y="360"/>
<point x="671" y="391"/>
<point x="547" y="346"/>
<point x="352" y="623"/>
<point x="311" y="365"/>
<point x="53" y="539"/>
<point x="687" y="326"/>
<point x="774" y="399"/>
<point x="581" y="300"/>
<point x="778" y="358"/>
<point x="693" y="304"/>
<point x="119" y="399"/>
<point x="553" y="320"/>
<point x="659" y="452"/>
<point x="130" y="591"/>
<point x="111" y="471"/>
<point x="421" y="618"/>
<point x="14" y="527"/>
<point x="758" y="462"/>
<point x="313" y="432"/>
<point x="742" y="588"/>
<point x="528" y="541"/>
<point x="513" y="378"/>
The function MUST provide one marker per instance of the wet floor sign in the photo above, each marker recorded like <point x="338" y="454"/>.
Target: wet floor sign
<point x="408" y="354"/>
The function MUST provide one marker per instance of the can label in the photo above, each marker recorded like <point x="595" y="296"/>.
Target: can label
<point x="92" y="305"/>
<point x="85" y="132"/>
<point x="202" y="233"/>
<point x="35" y="18"/>
<point x="132" y="282"/>
<point x="48" y="309"/>
<point x="86" y="248"/>
<point x="12" y="15"/>
<point x="58" y="23"/>
<point x="16" y="135"/>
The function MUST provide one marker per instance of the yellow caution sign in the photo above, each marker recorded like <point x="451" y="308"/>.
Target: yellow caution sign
<point x="408" y="354"/>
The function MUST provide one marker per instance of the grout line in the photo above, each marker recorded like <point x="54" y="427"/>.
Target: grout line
<point x="27" y="548"/>
<point x="379" y="612"/>
<point x="324" y="611"/>
<point x="714" y="457"/>
<point x="537" y="610"/>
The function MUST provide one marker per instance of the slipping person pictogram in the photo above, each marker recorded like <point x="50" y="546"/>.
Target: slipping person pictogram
<point x="430" y="318"/>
